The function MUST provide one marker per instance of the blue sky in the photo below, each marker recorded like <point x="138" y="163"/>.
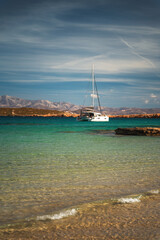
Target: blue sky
<point x="47" y="49"/>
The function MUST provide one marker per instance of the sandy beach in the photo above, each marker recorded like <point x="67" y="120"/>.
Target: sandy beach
<point x="101" y="220"/>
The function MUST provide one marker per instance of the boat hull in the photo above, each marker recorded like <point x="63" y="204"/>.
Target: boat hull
<point x="93" y="119"/>
<point x="99" y="119"/>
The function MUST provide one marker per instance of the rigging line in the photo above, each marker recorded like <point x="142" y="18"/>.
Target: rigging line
<point x="87" y="91"/>
<point x="97" y="95"/>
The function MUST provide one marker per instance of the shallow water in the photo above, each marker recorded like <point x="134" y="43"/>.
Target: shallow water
<point x="49" y="164"/>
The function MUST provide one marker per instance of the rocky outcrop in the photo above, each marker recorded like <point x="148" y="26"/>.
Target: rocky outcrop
<point x="146" y="131"/>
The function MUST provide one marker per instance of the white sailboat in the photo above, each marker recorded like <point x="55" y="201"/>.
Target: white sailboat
<point x="89" y="113"/>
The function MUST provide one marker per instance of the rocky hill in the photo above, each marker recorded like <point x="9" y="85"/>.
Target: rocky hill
<point x="14" y="102"/>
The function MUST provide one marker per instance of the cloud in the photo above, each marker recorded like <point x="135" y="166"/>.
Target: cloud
<point x="153" y="96"/>
<point x="63" y="51"/>
<point x="51" y="41"/>
<point x="153" y="99"/>
<point x="146" y="101"/>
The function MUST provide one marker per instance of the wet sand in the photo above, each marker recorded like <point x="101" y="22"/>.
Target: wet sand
<point x="102" y="220"/>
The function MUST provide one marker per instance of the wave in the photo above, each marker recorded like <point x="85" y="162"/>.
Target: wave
<point x="130" y="200"/>
<point x="154" y="191"/>
<point x="60" y="215"/>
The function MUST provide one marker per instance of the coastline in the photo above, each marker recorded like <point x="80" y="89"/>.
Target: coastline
<point x="153" y="115"/>
<point x="131" y="217"/>
<point x="33" y="112"/>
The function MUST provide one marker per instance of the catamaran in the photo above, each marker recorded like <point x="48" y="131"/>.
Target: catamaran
<point x="89" y="113"/>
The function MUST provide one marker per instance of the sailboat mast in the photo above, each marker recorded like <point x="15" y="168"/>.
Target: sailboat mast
<point x="93" y="86"/>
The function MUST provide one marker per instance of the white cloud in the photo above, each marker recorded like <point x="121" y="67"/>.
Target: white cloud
<point x="153" y="99"/>
<point x="46" y="40"/>
<point x="146" y="101"/>
<point x="153" y="96"/>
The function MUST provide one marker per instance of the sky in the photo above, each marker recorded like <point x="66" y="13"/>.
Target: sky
<point x="48" y="47"/>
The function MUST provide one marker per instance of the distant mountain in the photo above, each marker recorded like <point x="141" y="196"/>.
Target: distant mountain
<point x="14" y="102"/>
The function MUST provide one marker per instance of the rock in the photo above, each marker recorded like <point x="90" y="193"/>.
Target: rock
<point x="146" y="131"/>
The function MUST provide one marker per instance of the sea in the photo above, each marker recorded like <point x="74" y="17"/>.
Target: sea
<point x="50" y="165"/>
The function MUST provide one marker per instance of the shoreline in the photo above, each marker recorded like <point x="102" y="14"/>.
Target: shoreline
<point x="33" y="112"/>
<point x="129" y="217"/>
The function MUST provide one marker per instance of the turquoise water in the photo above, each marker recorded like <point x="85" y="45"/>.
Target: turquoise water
<point x="50" y="164"/>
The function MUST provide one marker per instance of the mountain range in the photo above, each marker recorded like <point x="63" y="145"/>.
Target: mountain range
<point x="15" y="102"/>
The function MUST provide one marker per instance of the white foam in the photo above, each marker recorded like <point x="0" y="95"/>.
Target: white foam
<point x="59" y="215"/>
<point x="154" y="191"/>
<point x="129" y="200"/>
